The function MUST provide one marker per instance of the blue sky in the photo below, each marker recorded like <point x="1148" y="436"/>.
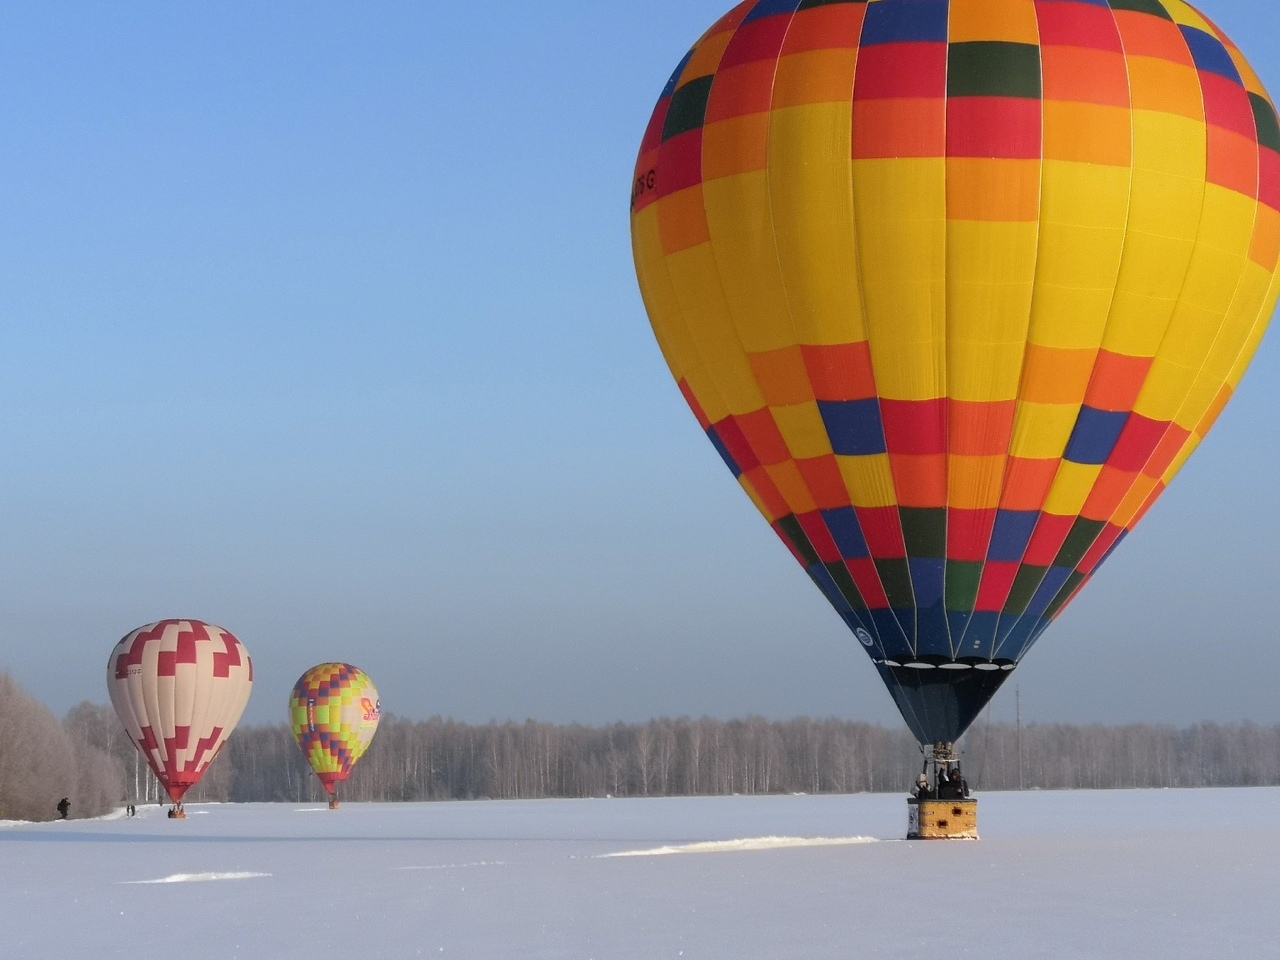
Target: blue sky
<point x="320" y="324"/>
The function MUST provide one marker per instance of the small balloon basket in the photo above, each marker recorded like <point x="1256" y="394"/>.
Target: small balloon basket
<point x="333" y="803"/>
<point x="942" y="819"/>
<point x="176" y="812"/>
<point x="941" y="808"/>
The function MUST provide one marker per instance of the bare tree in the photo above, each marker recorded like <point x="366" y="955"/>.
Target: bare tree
<point x="440" y="758"/>
<point x="41" y="762"/>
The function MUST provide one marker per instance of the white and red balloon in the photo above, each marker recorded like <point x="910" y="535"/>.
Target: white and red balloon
<point x="179" y="687"/>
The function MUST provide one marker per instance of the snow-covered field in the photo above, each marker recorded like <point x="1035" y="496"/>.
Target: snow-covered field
<point x="1163" y="874"/>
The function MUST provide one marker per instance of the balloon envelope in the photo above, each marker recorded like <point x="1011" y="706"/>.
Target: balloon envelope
<point x="179" y="687"/>
<point x="334" y="711"/>
<point x="955" y="287"/>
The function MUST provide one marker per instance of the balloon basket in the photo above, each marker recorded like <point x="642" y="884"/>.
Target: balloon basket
<point x="942" y="819"/>
<point x="333" y="803"/>
<point x="177" y="813"/>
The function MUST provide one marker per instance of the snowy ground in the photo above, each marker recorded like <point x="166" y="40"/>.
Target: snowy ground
<point x="1164" y="874"/>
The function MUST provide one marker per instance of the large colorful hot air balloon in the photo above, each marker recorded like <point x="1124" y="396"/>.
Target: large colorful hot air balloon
<point x="334" y="711"/>
<point x="955" y="287"/>
<point x="179" y="687"/>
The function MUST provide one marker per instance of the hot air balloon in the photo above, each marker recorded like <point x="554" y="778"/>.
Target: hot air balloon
<point x="955" y="288"/>
<point x="334" y="711"/>
<point x="179" y="687"/>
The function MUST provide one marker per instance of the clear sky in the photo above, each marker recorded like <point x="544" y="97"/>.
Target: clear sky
<point x="318" y="321"/>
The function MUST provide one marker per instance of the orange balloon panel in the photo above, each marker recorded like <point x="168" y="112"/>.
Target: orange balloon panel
<point x="955" y="287"/>
<point x="179" y="687"/>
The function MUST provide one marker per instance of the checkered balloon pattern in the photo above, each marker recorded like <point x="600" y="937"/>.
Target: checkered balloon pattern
<point x="955" y="288"/>
<point x="334" y="711"/>
<point x="179" y="687"/>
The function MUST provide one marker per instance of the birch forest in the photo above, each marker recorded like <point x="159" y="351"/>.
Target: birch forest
<point x="440" y="759"/>
<point x="88" y="759"/>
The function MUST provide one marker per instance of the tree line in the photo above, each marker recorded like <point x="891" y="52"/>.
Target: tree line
<point x="89" y="759"/>
<point x="442" y="759"/>
<point x="43" y="760"/>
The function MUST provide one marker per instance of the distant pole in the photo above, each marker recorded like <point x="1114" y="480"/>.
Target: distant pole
<point x="1017" y="707"/>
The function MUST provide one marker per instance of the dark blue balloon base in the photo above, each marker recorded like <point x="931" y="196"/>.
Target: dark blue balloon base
<point x="939" y="697"/>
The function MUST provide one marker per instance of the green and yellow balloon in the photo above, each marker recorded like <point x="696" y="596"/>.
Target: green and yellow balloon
<point x="334" y="711"/>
